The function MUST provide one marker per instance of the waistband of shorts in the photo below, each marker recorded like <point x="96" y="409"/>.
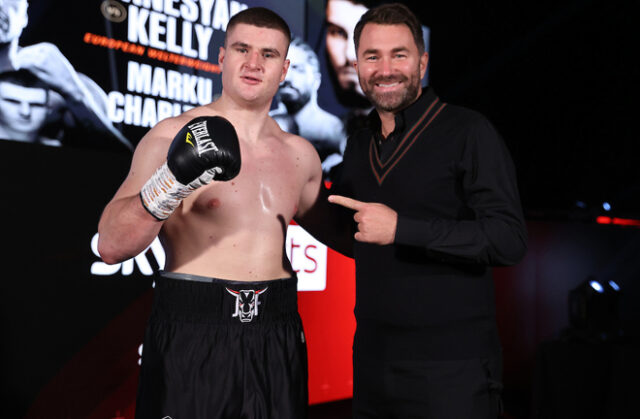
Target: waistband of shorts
<point x="185" y="297"/>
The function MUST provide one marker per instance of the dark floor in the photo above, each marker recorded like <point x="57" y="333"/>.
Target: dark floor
<point x="340" y="409"/>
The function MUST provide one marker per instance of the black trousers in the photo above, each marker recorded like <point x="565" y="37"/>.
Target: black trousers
<point x="223" y="350"/>
<point x="386" y="387"/>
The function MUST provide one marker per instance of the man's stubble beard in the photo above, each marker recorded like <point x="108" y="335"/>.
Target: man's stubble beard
<point x="393" y="101"/>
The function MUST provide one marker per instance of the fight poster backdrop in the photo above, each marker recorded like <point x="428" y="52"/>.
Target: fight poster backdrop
<point x="101" y="73"/>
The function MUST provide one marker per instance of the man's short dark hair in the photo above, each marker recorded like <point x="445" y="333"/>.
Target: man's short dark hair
<point x="262" y="18"/>
<point x="23" y="78"/>
<point x="391" y="14"/>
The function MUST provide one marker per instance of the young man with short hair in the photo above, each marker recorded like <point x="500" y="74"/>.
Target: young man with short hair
<point x="220" y="184"/>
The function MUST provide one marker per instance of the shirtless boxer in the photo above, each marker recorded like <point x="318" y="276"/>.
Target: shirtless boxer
<point x="224" y="339"/>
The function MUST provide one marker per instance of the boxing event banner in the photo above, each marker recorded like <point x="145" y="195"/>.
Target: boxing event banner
<point x="101" y="73"/>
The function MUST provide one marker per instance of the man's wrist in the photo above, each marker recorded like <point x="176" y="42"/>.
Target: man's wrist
<point x="162" y="193"/>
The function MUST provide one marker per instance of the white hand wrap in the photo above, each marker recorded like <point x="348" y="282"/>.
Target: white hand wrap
<point x="162" y="193"/>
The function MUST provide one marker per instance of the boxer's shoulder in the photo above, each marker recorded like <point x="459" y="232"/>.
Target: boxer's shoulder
<point x="297" y="143"/>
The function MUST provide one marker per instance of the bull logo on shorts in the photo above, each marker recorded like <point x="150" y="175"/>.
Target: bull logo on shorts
<point x="246" y="303"/>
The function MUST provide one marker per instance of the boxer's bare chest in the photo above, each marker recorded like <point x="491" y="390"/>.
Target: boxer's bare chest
<point x="236" y="229"/>
<point x="267" y="189"/>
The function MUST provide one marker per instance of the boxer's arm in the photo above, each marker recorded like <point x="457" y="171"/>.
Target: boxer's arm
<point x="205" y="148"/>
<point x="126" y="228"/>
<point x="317" y="216"/>
<point x="312" y="188"/>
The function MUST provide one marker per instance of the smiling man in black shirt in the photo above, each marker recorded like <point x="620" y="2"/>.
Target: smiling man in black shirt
<point x="432" y="190"/>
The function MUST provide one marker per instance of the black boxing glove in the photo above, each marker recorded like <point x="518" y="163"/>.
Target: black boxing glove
<point x="205" y="148"/>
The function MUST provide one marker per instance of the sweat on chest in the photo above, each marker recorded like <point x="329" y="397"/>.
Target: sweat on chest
<point x="252" y="193"/>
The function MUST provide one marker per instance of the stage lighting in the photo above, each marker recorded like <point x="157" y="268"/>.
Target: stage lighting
<point x="593" y="309"/>
<point x="596" y="286"/>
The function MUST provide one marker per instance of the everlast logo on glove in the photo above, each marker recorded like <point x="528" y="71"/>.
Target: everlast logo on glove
<point x="192" y="166"/>
<point x="201" y="135"/>
<point x="202" y="145"/>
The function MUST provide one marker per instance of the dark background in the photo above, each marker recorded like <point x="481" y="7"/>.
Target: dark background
<point x="559" y="79"/>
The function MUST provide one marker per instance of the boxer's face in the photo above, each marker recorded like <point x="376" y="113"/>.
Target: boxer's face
<point x="301" y="77"/>
<point x="253" y="62"/>
<point x="342" y="17"/>
<point x="389" y="66"/>
<point x="23" y="110"/>
<point x="13" y="19"/>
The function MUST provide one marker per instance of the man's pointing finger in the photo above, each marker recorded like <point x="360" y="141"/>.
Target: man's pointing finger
<point x="346" y="202"/>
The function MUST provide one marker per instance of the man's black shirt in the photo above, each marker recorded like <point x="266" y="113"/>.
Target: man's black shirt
<point x="449" y="176"/>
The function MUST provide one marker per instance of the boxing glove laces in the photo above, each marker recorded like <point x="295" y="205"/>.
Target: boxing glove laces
<point x="206" y="148"/>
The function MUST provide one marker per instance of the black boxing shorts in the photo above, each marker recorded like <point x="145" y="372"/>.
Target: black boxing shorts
<point x="220" y="349"/>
